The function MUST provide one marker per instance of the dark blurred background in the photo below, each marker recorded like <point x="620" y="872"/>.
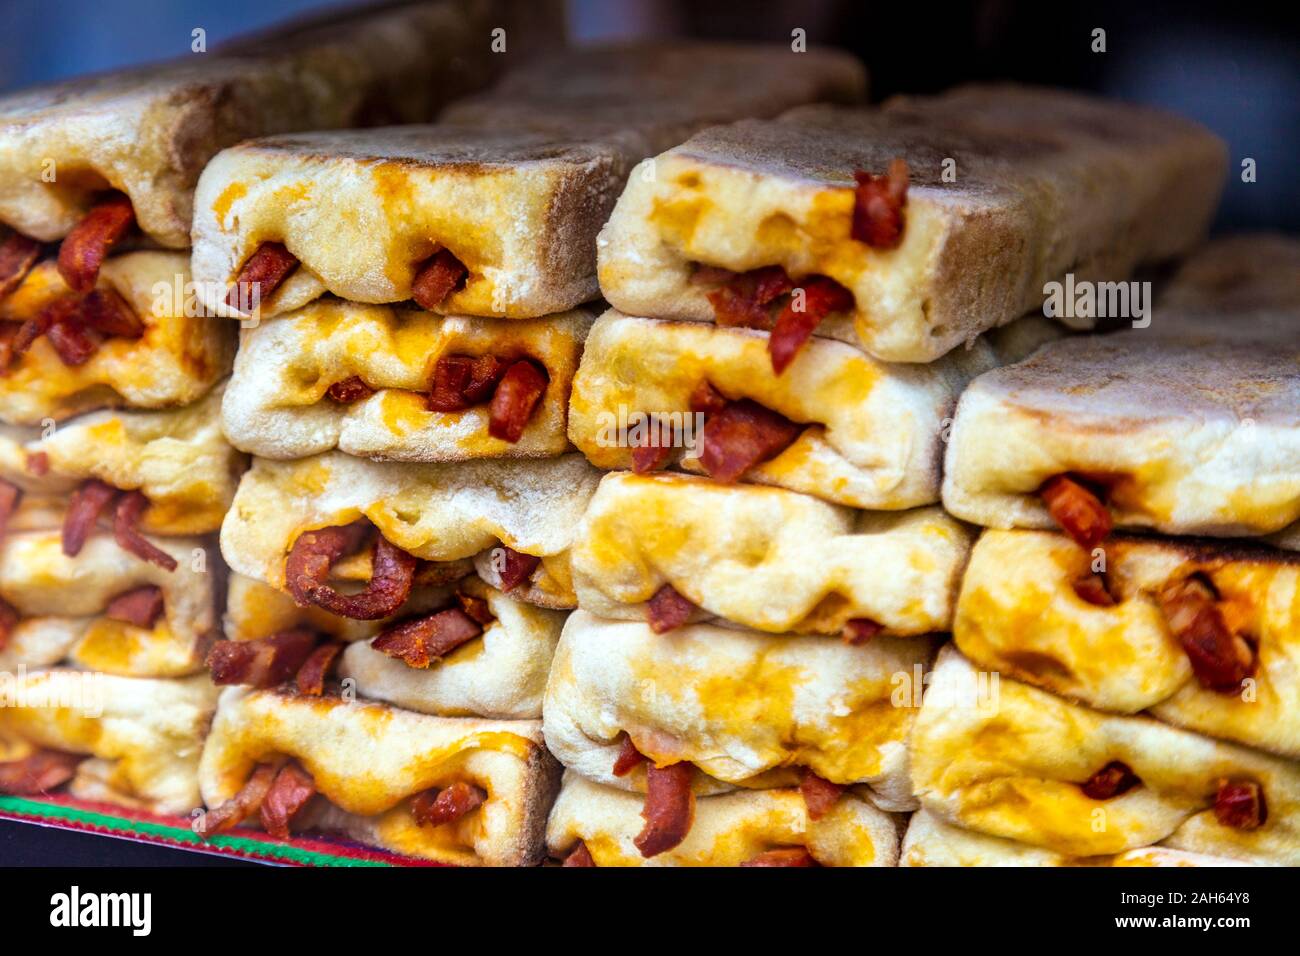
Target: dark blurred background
<point x="1233" y="66"/>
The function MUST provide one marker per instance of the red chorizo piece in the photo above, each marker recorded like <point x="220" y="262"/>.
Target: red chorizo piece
<point x="38" y="463"/>
<point x="18" y="253"/>
<point x="438" y="278"/>
<point x="859" y="631"/>
<point x="1110" y="781"/>
<point x="292" y="788"/>
<point x="433" y="808"/>
<point x="1092" y="588"/>
<point x="1220" y="659"/>
<point x="105" y="311"/>
<point x="1240" y="804"/>
<point x="669" y="808"/>
<point x="9" y="618"/>
<point x="794" y="326"/>
<point x="478" y="609"/>
<point x="263" y="273"/>
<point x="84" y="508"/>
<point x="10" y="495"/>
<point x="265" y="662"/>
<point x="878" y="206"/>
<point x="579" y="856"/>
<point x="72" y="340"/>
<point x="242" y="805"/>
<point x="312" y="675"/>
<point x="351" y="389"/>
<point x="38" y="772"/>
<point x="84" y="249"/>
<point x="744" y="301"/>
<point x="129" y="508"/>
<point x="819" y="794"/>
<point x="741" y="435"/>
<point x="314" y="553"/>
<point x="514" y="400"/>
<point x="463" y="381"/>
<point x="785" y="856"/>
<point x="651" y="454"/>
<point x="140" y="607"/>
<point x="668" y="609"/>
<point x="516" y="567"/>
<point x="1078" y="511"/>
<point x="628" y="758"/>
<point x="422" y="640"/>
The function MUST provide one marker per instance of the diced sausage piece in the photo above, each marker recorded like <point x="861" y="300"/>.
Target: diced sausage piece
<point x="292" y="788"/>
<point x="38" y="772"/>
<point x="668" y="609"/>
<point x="242" y="805"/>
<point x="819" y="794"/>
<point x="801" y="316"/>
<point x="9" y="618"/>
<point x="859" y="631"/>
<point x="786" y="856"/>
<point x="1220" y="659"/>
<point x="516" y="567"/>
<point x="433" y="808"/>
<point x="351" y="389"/>
<point x="422" y="640"/>
<point x="628" y="759"/>
<point x="1077" y="510"/>
<point x="73" y="341"/>
<point x="741" y="435"/>
<point x="669" y="808"/>
<point x="129" y="508"/>
<point x="463" y="381"/>
<point x="18" y="254"/>
<point x="1092" y="589"/>
<point x="1110" y="781"/>
<point x="312" y="675"/>
<point x="705" y="399"/>
<point x="10" y="495"/>
<point x="38" y="463"/>
<point x="84" y="249"/>
<point x="476" y="607"/>
<point x="263" y="273"/>
<point x="140" y="607"/>
<point x="579" y="856"/>
<point x="84" y="508"/>
<point x="878" y="206"/>
<point x="105" y="311"/>
<point x="438" y="278"/>
<point x="745" y="299"/>
<point x="264" y="662"/>
<point x="314" y="553"/>
<point x="652" y="453"/>
<point x="1240" y="804"/>
<point x="516" y="396"/>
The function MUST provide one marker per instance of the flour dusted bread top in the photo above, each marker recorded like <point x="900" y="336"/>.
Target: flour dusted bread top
<point x="515" y="183"/>
<point x="1045" y="183"/>
<point x="1196" y="428"/>
<point x="148" y="132"/>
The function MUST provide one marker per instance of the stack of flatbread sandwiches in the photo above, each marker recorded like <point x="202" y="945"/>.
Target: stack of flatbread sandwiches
<point x="643" y="455"/>
<point x="114" y="472"/>
<point x="401" y="546"/>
